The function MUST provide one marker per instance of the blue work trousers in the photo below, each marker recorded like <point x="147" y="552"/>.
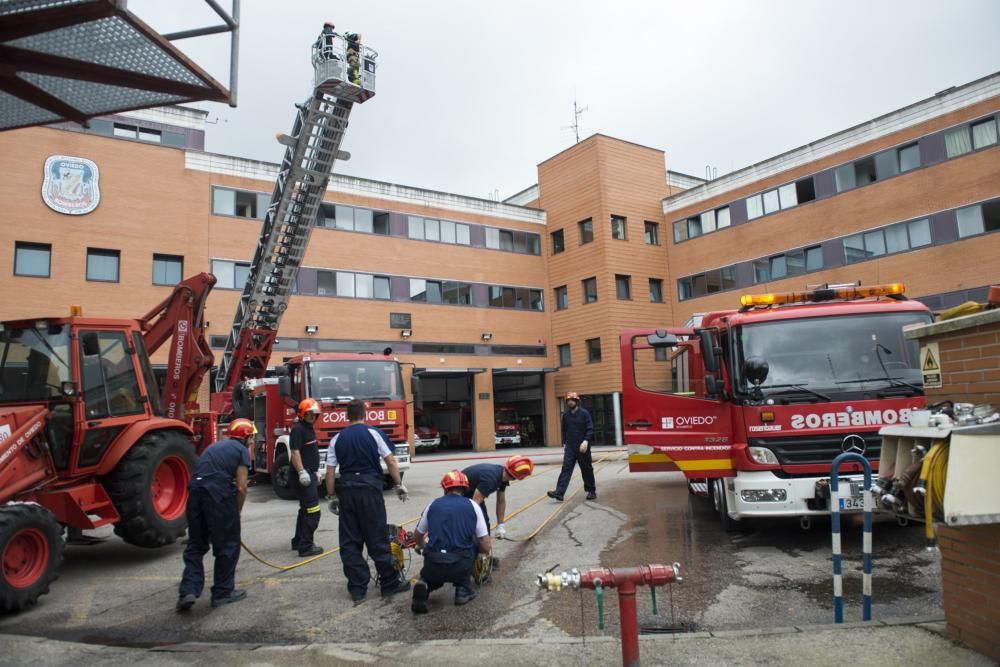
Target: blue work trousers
<point x="215" y="523"/>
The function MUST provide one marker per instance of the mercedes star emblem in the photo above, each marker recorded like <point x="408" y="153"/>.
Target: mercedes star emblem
<point x="853" y="444"/>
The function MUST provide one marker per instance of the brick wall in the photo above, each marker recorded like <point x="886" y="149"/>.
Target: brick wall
<point x="970" y="359"/>
<point x="970" y="573"/>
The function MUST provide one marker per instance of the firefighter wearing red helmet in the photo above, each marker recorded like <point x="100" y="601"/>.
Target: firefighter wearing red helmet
<point x="577" y="431"/>
<point x="305" y="462"/>
<point x="488" y="478"/>
<point x="450" y="531"/>
<point x="217" y="491"/>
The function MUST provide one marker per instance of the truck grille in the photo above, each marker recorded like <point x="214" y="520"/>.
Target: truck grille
<point x="815" y="450"/>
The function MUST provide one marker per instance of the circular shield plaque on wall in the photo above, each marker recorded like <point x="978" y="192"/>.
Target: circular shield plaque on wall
<point x="71" y="185"/>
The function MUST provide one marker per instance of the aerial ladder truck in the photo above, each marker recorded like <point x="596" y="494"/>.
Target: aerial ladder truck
<point x="87" y="436"/>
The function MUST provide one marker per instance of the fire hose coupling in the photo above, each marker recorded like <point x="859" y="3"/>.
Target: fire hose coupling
<point x="551" y="581"/>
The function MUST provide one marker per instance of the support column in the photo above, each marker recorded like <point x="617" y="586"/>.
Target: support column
<point x="616" y="400"/>
<point x="553" y="438"/>
<point x="482" y="401"/>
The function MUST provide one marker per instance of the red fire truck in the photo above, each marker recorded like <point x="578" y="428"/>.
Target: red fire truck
<point x="754" y="404"/>
<point x="506" y="426"/>
<point x="333" y="380"/>
<point x="426" y="437"/>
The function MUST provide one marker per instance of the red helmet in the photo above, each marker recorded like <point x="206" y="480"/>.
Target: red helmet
<point x="454" y="479"/>
<point x="241" y="429"/>
<point x="329" y="23"/>
<point x="572" y="395"/>
<point x="308" y="405"/>
<point x="519" y="466"/>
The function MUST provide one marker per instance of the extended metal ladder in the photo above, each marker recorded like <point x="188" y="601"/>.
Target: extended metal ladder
<point x="311" y="150"/>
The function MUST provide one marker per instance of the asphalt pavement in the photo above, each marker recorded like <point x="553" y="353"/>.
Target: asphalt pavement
<point x="771" y="582"/>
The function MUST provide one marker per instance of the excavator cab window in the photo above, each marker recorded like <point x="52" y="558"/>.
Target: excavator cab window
<point x="110" y="386"/>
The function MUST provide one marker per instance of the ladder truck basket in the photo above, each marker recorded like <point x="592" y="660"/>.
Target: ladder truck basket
<point x="344" y="68"/>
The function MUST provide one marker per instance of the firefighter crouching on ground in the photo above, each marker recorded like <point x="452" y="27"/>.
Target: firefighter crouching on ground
<point x="487" y="478"/>
<point x="305" y="462"/>
<point x="450" y="531"/>
<point x="217" y="491"/>
<point x="577" y="431"/>
<point x="358" y="501"/>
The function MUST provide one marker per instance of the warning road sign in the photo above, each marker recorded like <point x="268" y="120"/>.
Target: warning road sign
<point x="930" y="366"/>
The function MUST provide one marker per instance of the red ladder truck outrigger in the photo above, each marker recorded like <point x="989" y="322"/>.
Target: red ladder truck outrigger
<point x="753" y="405"/>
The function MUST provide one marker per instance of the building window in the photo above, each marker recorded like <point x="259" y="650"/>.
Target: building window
<point x="652" y="233"/>
<point x="655" y="290"/>
<point x="685" y="289"/>
<point x="779" y="269"/>
<point x="231" y="275"/>
<point x="586" y="230"/>
<point x="565" y="356"/>
<point x="694" y="227"/>
<point x="984" y="134"/>
<point x="126" y="131"/>
<point x="422" y="229"/>
<point x="623" y="286"/>
<point x="722" y="217"/>
<point x="167" y="269"/>
<point x="152" y="136"/>
<point x="525" y="243"/>
<point x="590" y="290"/>
<point x="380" y="287"/>
<point x="920" y="233"/>
<point x="771" y="202"/>
<point x="102" y="265"/>
<point x="558" y="243"/>
<point x="593" y="350"/>
<point x="978" y="219"/>
<point x="755" y="207"/>
<point x="618" y="228"/>
<point x="761" y="271"/>
<point x="814" y="258"/>
<point x="240" y="203"/>
<point x="562" y="298"/>
<point x="909" y="157"/>
<point x="418" y="290"/>
<point x="32" y="259"/>
<point x="456" y="293"/>
<point x="680" y="231"/>
<point x="415" y="227"/>
<point x="957" y="142"/>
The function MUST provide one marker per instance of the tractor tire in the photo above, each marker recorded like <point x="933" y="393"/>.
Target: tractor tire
<point x="31" y="551"/>
<point x="281" y="477"/>
<point x="149" y="489"/>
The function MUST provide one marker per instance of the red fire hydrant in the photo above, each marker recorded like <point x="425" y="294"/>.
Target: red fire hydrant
<point x="625" y="579"/>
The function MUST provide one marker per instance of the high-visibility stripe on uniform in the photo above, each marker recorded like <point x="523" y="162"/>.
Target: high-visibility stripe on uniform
<point x="312" y="510"/>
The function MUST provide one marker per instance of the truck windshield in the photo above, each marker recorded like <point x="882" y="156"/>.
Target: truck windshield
<point x="347" y="379"/>
<point x="506" y="417"/>
<point x="420" y="421"/>
<point x="833" y="354"/>
<point x="33" y="363"/>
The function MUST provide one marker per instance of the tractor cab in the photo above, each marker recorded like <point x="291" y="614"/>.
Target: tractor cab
<point x="92" y="376"/>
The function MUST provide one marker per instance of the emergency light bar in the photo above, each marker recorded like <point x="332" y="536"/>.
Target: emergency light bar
<point x="821" y="294"/>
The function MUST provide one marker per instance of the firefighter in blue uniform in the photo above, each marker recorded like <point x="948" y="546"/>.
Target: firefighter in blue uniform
<point x="305" y="461"/>
<point x="217" y="491"/>
<point x="357" y="498"/>
<point x="577" y="431"/>
<point x="488" y="478"/>
<point x="450" y="531"/>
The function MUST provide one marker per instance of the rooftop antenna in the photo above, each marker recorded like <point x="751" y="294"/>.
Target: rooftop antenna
<point x="577" y="112"/>
<point x="711" y="173"/>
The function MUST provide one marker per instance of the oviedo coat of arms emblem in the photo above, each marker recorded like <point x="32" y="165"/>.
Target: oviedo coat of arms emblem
<point x="71" y="185"/>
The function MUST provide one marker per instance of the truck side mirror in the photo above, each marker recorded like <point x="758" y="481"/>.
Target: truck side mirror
<point x="661" y="339"/>
<point x="285" y="386"/>
<point x="708" y="350"/>
<point x="91" y="344"/>
<point x="755" y="370"/>
<point x="414" y="386"/>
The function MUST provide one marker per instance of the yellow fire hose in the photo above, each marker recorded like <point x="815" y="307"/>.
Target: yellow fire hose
<point x="933" y="473"/>
<point x="307" y="561"/>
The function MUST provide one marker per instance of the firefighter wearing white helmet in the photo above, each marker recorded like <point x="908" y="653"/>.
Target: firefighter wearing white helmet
<point x="577" y="431"/>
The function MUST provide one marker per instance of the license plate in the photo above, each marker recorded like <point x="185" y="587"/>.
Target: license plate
<point x="322" y="465"/>
<point x="852" y="503"/>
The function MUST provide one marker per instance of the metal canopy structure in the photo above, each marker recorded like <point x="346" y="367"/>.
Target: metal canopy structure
<point x="447" y="372"/>
<point x="72" y="60"/>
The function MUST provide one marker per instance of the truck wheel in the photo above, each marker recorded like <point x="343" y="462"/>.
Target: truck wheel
<point x="281" y="477"/>
<point x="387" y="481"/>
<point x="31" y="550"/>
<point x="729" y="525"/>
<point x="149" y="489"/>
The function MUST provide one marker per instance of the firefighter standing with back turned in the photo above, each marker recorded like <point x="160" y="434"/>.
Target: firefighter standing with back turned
<point x="357" y="498"/>
<point x="217" y="491"/>
<point x="305" y="463"/>
<point x="577" y="430"/>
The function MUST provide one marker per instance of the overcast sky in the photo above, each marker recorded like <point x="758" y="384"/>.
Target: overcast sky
<point x="472" y="95"/>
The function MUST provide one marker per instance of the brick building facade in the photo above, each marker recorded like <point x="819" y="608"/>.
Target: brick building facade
<point x="515" y="302"/>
